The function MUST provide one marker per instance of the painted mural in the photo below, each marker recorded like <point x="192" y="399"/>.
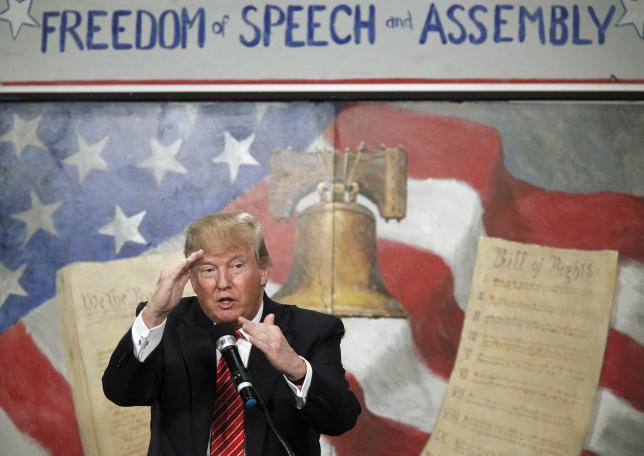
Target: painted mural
<point x="101" y="181"/>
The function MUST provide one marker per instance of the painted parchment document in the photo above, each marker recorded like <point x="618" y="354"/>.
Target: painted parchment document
<point x="97" y="305"/>
<point x="530" y="353"/>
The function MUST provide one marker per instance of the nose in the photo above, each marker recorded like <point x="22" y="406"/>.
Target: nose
<point x="223" y="280"/>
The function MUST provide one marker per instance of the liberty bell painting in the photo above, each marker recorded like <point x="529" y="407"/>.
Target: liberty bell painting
<point x="335" y="269"/>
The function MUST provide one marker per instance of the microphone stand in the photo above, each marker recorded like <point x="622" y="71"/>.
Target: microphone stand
<point x="269" y="420"/>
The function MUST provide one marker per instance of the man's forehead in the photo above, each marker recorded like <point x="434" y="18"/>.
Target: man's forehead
<point x="220" y="252"/>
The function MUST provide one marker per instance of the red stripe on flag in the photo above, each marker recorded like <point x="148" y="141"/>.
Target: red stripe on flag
<point x="423" y="283"/>
<point x="375" y="435"/>
<point x="593" y="221"/>
<point x="442" y="147"/>
<point x="35" y="396"/>
<point x="623" y="370"/>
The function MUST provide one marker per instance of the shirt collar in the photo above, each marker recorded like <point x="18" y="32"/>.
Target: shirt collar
<point x="256" y="319"/>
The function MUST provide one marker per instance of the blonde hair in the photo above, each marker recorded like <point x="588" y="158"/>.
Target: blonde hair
<point x="228" y="229"/>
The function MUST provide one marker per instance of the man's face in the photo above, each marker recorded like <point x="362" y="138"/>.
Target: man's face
<point x="229" y="284"/>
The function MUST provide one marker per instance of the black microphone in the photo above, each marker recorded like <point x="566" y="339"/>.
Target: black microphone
<point x="223" y="336"/>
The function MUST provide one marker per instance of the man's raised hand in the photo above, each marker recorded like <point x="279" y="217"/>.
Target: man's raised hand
<point x="169" y="290"/>
<point x="269" y="339"/>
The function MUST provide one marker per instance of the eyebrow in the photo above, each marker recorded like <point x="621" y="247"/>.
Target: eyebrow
<point x="238" y="256"/>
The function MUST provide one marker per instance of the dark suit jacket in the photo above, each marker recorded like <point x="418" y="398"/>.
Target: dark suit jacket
<point x="178" y="380"/>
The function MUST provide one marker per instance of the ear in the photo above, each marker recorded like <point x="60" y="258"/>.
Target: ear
<point x="263" y="274"/>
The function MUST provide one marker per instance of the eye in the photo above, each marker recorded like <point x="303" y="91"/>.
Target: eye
<point x="206" y="271"/>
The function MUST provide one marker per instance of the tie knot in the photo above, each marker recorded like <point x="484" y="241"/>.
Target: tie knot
<point x="238" y="334"/>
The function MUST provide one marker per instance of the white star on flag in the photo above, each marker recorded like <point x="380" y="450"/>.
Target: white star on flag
<point x="9" y="282"/>
<point x="23" y="134"/>
<point x="40" y="216"/>
<point x="236" y="153"/>
<point x="88" y="157"/>
<point x="633" y="15"/>
<point x="124" y="228"/>
<point x="162" y="160"/>
<point x="17" y="14"/>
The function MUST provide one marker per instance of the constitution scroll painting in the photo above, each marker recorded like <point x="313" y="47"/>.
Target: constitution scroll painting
<point x="530" y="352"/>
<point x="97" y="303"/>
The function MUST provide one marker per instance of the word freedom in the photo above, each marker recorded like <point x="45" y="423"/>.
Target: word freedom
<point x="122" y="29"/>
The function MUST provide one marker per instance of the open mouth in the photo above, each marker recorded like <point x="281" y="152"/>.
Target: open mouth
<point x="226" y="302"/>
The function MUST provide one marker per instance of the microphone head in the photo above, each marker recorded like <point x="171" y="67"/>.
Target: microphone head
<point x="220" y="330"/>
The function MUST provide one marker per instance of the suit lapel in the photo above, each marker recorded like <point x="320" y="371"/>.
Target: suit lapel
<point x="264" y="379"/>
<point x="200" y="357"/>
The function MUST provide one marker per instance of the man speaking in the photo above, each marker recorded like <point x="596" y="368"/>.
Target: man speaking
<point x="167" y="360"/>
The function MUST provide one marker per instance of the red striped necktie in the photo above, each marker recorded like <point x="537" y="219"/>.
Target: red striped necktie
<point x="227" y="430"/>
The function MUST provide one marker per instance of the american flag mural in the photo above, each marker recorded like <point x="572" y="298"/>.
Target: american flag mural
<point x="99" y="181"/>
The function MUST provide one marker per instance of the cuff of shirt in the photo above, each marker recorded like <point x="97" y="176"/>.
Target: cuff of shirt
<point x="302" y="391"/>
<point x="145" y="340"/>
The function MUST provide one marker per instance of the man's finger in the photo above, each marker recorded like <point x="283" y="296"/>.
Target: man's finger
<point x="191" y="260"/>
<point x="248" y="326"/>
<point x="270" y="319"/>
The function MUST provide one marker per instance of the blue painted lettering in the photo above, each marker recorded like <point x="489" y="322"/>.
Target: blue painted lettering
<point x="93" y="28"/>
<point x="188" y="22"/>
<point x="558" y="26"/>
<point x="313" y="26"/>
<point x="369" y="24"/>
<point x="65" y="29"/>
<point x="576" y="28"/>
<point x="334" y="16"/>
<point x="109" y="29"/>
<point x="170" y="26"/>
<point x="451" y="14"/>
<point x="290" y="20"/>
<point x="499" y="22"/>
<point x="47" y="29"/>
<point x="291" y="25"/>
<point x="301" y="25"/>
<point x="269" y="22"/>
<point x="479" y="25"/>
<point x="432" y="24"/>
<point x="395" y="22"/>
<point x="601" y="25"/>
<point x="257" y="32"/>
<point x="118" y="29"/>
<point x="143" y="16"/>
<point x="537" y="16"/>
